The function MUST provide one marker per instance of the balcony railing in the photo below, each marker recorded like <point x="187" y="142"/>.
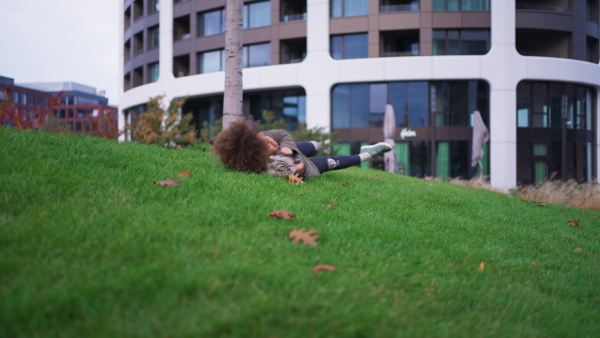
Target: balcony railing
<point x="399" y="8"/>
<point x="294" y="17"/>
<point x="393" y="54"/>
<point x="542" y="7"/>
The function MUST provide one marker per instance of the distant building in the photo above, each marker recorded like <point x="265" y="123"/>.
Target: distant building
<point x="78" y="104"/>
<point x="529" y="66"/>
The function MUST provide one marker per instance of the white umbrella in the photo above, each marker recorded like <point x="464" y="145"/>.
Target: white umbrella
<point x="480" y="137"/>
<point x="389" y="129"/>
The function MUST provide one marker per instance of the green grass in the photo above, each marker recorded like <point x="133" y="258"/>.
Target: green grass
<point x="89" y="246"/>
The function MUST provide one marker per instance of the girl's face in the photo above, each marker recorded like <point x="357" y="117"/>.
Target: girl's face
<point x="272" y="146"/>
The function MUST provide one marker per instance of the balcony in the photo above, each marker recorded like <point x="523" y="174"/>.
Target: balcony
<point x="560" y="6"/>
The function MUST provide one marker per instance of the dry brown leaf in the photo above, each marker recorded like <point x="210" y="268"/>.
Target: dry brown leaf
<point x="533" y="264"/>
<point x="178" y="148"/>
<point x="323" y="267"/>
<point x="342" y="184"/>
<point x="329" y="206"/>
<point x="574" y="222"/>
<point x="169" y="182"/>
<point x="185" y="173"/>
<point x="377" y="177"/>
<point x="527" y="201"/>
<point x="282" y="214"/>
<point x="577" y="250"/>
<point x="541" y="204"/>
<point x="300" y="194"/>
<point x="305" y="236"/>
<point x="469" y="185"/>
<point x="294" y="179"/>
<point x="335" y="199"/>
<point x="481" y="267"/>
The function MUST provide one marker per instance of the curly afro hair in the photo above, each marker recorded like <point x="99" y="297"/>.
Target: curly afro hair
<point x="239" y="148"/>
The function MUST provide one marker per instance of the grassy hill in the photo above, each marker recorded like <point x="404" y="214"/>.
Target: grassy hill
<point x="90" y="246"/>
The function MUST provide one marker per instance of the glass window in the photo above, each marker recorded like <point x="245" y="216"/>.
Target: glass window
<point x="16" y="97"/>
<point x="349" y="46"/>
<point x="154" y="70"/>
<point x="210" y="62"/>
<point x="341" y="8"/>
<point x="211" y="23"/>
<point x="463" y="5"/>
<point x="23" y="98"/>
<point x="461" y="42"/>
<point x="257" y="14"/>
<point x="341" y="106"/>
<point x="256" y="55"/>
<point x="399" y="5"/>
<point x="154" y="39"/>
<point x="359" y="103"/>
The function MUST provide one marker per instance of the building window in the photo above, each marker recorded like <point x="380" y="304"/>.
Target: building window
<point x="292" y="10"/>
<point x="16" y="97"/>
<point x="154" y="37"/>
<point x="398" y="5"/>
<point x="293" y="51"/>
<point x="349" y="46"/>
<point x="461" y="5"/>
<point x="210" y="23"/>
<point x="461" y="42"/>
<point x="400" y="43"/>
<point x="154" y="70"/>
<point x="550" y="104"/>
<point x="257" y="14"/>
<point x="256" y="55"/>
<point x="342" y="8"/>
<point x="210" y="62"/>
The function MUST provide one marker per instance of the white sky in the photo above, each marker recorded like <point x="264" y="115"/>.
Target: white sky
<point x="61" y="41"/>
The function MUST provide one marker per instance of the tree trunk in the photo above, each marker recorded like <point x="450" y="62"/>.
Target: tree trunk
<point x="233" y="95"/>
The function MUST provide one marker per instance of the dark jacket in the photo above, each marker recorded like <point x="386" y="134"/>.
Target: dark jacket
<point x="284" y="139"/>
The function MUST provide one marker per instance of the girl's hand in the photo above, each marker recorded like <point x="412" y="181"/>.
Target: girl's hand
<point x="286" y="151"/>
<point x="299" y="167"/>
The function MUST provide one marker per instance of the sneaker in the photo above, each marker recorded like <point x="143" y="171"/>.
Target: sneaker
<point x="376" y="149"/>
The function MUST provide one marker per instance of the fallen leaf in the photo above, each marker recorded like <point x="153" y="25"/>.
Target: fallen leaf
<point x="335" y="199"/>
<point x="526" y="201"/>
<point x="178" y="148"/>
<point x="185" y="173"/>
<point x="577" y="250"/>
<point x="294" y="179"/>
<point x="533" y="264"/>
<point x="300" y="194"/>
<point x="169" y="182"/>
<point x="323" y="267"/>
<point x="469" y="185"/>
<point x="282" y="214"/>
<point x="574" y="222"/>
<point x="305" y="236"/>
<point x="541" y="204"/>
<point x="378" y="177"/>
<point x="481" y="267"/>
<point x="329" y="206"/>
<point x="342" y="184"/>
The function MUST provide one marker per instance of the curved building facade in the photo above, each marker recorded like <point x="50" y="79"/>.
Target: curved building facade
<point x="529" y="67"/>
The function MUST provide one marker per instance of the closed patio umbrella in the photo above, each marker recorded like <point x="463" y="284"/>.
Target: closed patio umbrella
<point x="480" y="137"/>
<point x="389" y="129"/>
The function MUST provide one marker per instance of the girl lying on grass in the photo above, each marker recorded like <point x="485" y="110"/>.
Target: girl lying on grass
<point x="244" y="147"/>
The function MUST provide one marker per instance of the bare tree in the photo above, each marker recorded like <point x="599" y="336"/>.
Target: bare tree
<point x="233" y="95"/>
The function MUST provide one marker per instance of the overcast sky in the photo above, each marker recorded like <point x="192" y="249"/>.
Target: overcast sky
<point x="61" y="41"/>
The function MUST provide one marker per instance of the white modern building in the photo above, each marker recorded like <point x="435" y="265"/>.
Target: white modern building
<point x="530" y="67"/>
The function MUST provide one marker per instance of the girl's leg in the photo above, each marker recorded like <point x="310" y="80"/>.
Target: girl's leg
<point x="327" y="163"/>
<point x="308" y="148"/>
